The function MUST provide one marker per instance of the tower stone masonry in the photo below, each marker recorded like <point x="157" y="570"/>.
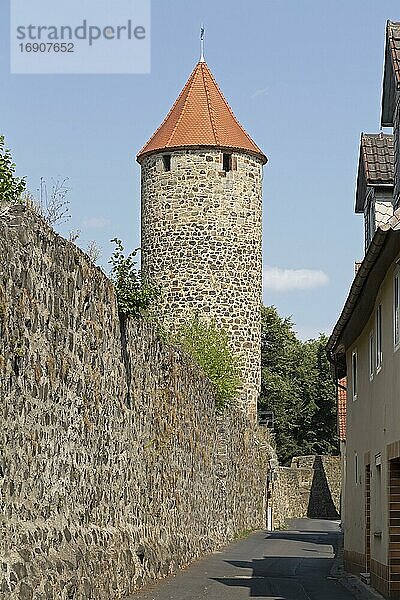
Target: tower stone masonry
<point x="202" y="220"/>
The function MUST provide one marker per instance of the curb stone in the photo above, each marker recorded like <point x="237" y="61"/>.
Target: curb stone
<point x="351" y="582"/>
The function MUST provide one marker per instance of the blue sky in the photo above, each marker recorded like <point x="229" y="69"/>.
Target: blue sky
<point x="303" y="77"/>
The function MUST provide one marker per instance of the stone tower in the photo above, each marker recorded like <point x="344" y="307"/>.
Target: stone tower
<point x="201" y="219"/>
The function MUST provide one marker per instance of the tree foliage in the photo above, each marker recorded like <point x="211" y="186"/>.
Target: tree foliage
<point x="11" y="187"/>
<point x="297" y="386"/>
<point x="134" y="295"/>
<point x="209" y="346"/>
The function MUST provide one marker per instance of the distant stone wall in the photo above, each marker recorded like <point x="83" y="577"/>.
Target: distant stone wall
<point x="290" y="494"/>
<point x="114" y="467"/>
<point x="310" y="487"/>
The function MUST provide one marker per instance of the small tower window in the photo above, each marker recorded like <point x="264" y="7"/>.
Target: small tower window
<point x="167" y="162"/>
<point x="227" y="162"/>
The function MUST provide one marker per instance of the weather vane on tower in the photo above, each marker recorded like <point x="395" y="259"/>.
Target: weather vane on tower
<point x="202" y="43"/>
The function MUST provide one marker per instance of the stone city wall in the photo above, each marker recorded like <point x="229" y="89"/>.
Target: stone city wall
<point x="114" y="466"/>
<point x="310" y="487"/>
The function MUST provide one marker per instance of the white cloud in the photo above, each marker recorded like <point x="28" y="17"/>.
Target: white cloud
<point x="285" y="280"/>
<point x="262" y="92"/>
<point x="96" y="223"/>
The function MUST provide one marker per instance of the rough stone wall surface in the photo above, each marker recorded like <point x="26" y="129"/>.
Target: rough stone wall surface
<point x="201" y="243"/>
<point x="291" y="494"/>
<point x="331" y="468"/>
<point x="310" y="487"/>
<point x="114" y="466"/>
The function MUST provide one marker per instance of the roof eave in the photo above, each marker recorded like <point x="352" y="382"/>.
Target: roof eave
<point x="390" y="85"/>
<point x="361" y="186"/>
<point x="145" y="154"/>
<point x="335" y="344"/>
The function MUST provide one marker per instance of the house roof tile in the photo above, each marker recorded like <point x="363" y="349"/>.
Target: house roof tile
<point x="200" y="117"/>
<point x="376" y="164"/>
<point x="393" y="39"/>
<point x="378" y="158"/>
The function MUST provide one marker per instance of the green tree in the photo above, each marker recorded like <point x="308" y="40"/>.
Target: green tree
<point x="277" y="340"/>
<point x="297" y="386"/>
<point x="279" y="375"/>
<point x="209" y="346"/>
<point x="134" y="295"/>
<point x="11" y="187"/>
<point x="324" y="421"/>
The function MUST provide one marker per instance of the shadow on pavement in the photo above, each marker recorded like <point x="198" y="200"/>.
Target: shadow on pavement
<point x="278" y="576"/>
<point x="283" y="577"/>
<point x="310" y="536"/>
<point x="282" y="589"/>
<point x="283" y="566"/>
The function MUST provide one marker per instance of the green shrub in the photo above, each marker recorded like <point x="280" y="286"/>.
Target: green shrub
<point x="11" y="187"/>
<point x="134" y="296"/>
<point x="208" y="345"/>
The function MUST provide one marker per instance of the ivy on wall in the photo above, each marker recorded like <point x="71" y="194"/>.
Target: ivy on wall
<point x="11" y="187"/>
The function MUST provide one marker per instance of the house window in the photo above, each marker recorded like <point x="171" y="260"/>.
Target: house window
<point x="227" y="162"/>
<point x="371" y="356"/>
<point x="396" y="309"/>
<point x="167" y="162"/>
<point x="379" y="337"/>
<point x="354" y="374"/>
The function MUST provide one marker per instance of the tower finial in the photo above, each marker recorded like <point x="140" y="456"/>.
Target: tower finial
<point x="202" y="43"/>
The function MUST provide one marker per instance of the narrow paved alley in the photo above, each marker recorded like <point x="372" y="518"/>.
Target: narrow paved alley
<point x="294" y="564"/>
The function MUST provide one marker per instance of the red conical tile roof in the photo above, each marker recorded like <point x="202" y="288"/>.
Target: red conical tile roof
<point x="200" y="117"/>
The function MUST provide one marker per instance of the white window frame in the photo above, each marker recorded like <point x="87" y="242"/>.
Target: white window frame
<point x="396" y="309"/>
<point x="378" y="343"/>
<point x="371" y="355"/>
<point x="354" y="374"/>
